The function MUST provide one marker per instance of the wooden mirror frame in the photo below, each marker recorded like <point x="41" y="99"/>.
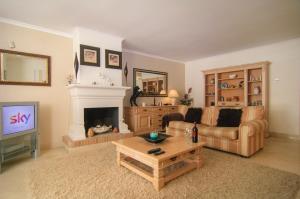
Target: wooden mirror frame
<point x="28" y="83"/>
<point x="135" y="70"/>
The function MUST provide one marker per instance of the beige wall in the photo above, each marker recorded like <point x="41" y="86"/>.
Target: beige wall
<point x="284" y="115"/>
<point x="175" y="72"/>
<point x="54" y="100"/>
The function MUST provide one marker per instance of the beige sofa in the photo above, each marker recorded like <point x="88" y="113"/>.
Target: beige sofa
<point x="244" y="140"/>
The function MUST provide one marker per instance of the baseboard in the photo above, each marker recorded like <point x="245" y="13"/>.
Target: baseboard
<point x="286" y="136"/>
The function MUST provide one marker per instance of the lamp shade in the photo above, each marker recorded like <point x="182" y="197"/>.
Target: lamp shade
<point x="173" y="94"/>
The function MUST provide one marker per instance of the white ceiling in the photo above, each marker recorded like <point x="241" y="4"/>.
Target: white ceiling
<point x="176" y="29"/>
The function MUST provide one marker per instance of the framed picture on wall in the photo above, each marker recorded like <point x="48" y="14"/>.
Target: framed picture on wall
<point x="89" y="55"/>
<point x="113" y="59"/>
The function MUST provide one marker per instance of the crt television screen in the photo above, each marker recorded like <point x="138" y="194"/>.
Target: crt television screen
<point x="17" y="118"/>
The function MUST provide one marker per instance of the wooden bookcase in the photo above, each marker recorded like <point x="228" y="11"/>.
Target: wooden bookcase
<point x="237" y="86"/>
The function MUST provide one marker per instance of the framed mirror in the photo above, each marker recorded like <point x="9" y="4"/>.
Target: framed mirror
<point x="152" y="83"/>
<point x="19" y="68"/>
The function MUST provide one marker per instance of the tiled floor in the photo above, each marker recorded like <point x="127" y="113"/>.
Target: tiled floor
<point x="278" y="153"/>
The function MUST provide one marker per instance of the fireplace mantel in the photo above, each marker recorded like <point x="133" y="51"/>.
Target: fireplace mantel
<point x="93" y="96"/>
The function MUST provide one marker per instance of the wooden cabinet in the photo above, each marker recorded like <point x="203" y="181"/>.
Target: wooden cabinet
<point x="144" y="119"/>
<point x="244" y="85"/>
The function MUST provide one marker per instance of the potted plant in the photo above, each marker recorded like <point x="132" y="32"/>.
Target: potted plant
<point x="186" y="98"/>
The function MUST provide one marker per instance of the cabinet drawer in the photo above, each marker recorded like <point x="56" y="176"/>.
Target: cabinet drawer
<point x="173" y="109"/>
<point x="159" y="110"/>
<point x="144" y="110"/>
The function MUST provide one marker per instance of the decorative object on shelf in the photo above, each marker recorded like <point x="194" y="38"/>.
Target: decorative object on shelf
<point x="186" y="98"/>
<point x="70" y="79"/>
<point x="113" y="59"/>
<point x="173" y="94"/>
<point x="256" y="90"/>
<point x="212" y="103"/>
<point x="212" y="81"/>
<point x="143" y="104"/>
<point x="224" y="85"/>
<point x="241" y="84"/>
<point x="94" y="83"/>
<point x="259" y="78"/>
<point x="222" y="99"/>
<point x="76" y="65"/>
<point x="104" y="80"/>
<point x="90" y="132"/>
<point x="89" y="55"/>
<point x="136" y="93"/>
<point x="232" y="76"/>
<point x="228" y="99"/>
<point x="126" y="72"/>
<point x="235" y="98"/>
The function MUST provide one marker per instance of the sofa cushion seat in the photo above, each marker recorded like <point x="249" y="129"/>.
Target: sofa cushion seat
<point x="221" y="132"/>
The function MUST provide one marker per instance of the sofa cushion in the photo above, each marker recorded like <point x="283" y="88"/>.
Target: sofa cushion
<point x="210" y="116"/>
<point x="253" y="113"/>
<point x="221" y="132"/>
<point x="193" y="115"/>
<point x="229" y="117"/>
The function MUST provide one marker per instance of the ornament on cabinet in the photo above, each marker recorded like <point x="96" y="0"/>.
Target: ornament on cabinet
<point x="256" y="90"/>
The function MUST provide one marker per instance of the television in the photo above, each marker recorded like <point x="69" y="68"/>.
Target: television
<point x="18" y="118"/>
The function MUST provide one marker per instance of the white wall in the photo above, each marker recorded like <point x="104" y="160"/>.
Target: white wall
<point x="89" y="74"/>
<point x="284" y="99"/>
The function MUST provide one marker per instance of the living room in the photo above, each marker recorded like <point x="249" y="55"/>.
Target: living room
<point x="210" y="60"/>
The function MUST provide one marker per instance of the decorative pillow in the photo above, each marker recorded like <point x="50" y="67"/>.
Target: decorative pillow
<point x="171" y="117"/>
<point x="193" y="115"/>
<point x="210" y="116"/>
<point x="253" y="113"/>
<point x="229" y="117"/>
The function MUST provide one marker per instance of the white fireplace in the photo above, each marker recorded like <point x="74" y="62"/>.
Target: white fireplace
<point x="94" y="96"/>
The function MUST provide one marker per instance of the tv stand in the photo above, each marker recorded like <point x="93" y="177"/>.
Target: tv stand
<point x="19" y="146"/>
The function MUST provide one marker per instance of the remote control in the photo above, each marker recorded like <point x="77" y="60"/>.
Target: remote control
<point x="159" y="152"/>
<point x="154" y="150"/>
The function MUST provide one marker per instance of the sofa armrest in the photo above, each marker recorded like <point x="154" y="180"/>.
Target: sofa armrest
<point x="251" y="136"/>
<point x="171" y="117"/>
<point x="253" y="127"/>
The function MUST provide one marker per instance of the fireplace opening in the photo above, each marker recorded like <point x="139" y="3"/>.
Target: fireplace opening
<point x="104" y="119"/>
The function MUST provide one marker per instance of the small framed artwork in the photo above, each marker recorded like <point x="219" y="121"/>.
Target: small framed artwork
<point x="89" y="55"/>
<point x="113" y="59"/>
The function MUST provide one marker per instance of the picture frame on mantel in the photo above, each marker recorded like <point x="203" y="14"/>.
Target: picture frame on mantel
<point x="89" y="55"/>
<point x="113" y="59"/>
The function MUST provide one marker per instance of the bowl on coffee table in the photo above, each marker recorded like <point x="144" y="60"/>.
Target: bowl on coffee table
<point x="152" y="138"/>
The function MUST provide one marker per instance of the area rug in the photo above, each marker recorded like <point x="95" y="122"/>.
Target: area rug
<point x="95" y="174"/>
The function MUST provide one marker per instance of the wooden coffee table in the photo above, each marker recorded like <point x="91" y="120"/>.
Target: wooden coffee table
<point x="180" y="157"/>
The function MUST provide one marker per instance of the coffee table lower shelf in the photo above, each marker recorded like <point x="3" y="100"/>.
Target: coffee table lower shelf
<point x="158" y="176"/>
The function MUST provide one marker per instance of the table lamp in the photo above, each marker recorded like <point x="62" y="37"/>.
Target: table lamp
<point x="173" y="94"/>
